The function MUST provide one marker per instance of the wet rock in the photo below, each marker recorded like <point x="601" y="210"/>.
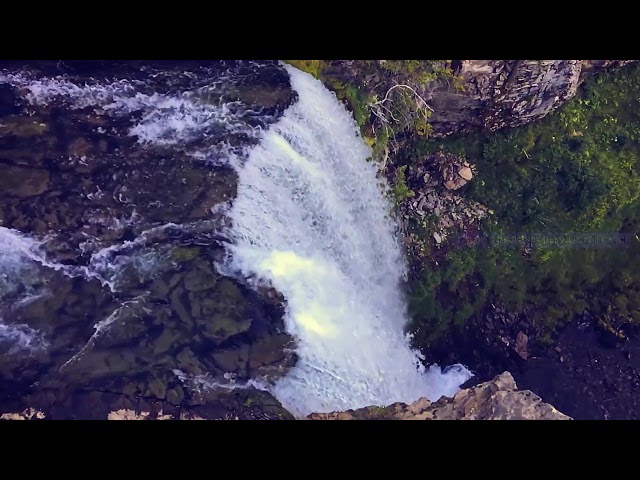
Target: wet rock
<point x="9" y="102"/>
<point x="233" y="361"/>
<point x="200" y="279"/>
<point x="521" y="345"/>
<point x="22" y="127"/>
<point x="157" y="389"/>
<point x="159" y="289"/>
<point x="166" y="340"/>
<point x="222" y="316"/>
<point x="78" y="177"/>
<point x="23" y="182"/>
<point x="189" y="363"/>
<point x="175" y="395"/>
<point x="179" y="307"/>
<point x="80" y="147"/>
<point x="271" y="356"/>
<point x="221" y="327"/>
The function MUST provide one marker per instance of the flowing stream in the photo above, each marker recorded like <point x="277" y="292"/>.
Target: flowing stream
<point x="310" y="219"/>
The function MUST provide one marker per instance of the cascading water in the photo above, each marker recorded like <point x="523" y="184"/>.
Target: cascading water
<point x="310" y="219"/>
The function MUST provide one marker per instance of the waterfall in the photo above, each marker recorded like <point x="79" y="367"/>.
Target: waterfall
<point x="311" y="219"/>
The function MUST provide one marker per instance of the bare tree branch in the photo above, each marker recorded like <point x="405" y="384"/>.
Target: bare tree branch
<point x="382" y="109"/>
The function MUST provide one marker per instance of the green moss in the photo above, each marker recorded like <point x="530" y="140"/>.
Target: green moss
<point x="184" y="254"/>
<point x="313" y="67"/>
<point x="577" y="170"/>
<point x="376" y="411"/>
<point x="368" y="82"/>
<point x="357" y="100"/>
<point x="400" y="189"/>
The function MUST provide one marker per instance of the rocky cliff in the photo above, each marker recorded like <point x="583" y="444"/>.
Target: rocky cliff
<point x="507" y="93"/>
<point x="463" y="95"/>
<point x="498" y="399"/>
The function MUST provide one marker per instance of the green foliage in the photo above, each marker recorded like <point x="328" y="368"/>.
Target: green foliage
<point x="406" y="113"/>
<point x="423" y="72"/>
<point x="577" y="170"/>
<point x="356" y="100"/>
<point x="400" y="189"/>
<point x="313" y="67"/>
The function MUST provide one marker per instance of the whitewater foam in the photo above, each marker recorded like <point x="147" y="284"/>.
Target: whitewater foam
<point x="20" y="339"/>
<point x="166" y="119"/>
<point x="310" y="219"/>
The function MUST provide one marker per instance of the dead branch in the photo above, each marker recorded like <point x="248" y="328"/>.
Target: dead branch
<point x="382" y="108"/>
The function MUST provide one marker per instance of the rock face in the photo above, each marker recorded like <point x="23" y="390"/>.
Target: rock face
<point x="498" y="399"/>
<point x="507" y="93"/>
<point x="494" y="93"/>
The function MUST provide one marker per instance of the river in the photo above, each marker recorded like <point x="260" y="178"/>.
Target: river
<point x="211" y="226"/>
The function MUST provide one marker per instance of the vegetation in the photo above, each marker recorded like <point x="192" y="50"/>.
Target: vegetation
<point x="400" y="189"/>
<point x="385" y="96"/>
<point x="577" y="170"/>
<point x="574" y="171"/>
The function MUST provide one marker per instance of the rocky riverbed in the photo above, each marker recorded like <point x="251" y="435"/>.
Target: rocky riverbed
<point x="111" y="230"/>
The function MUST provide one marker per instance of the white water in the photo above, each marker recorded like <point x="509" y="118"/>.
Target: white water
<point x="20" y="339"/>
<point x="166" y="119"/>
<point x="310" y="219"/>
<point x="19" y="253"/>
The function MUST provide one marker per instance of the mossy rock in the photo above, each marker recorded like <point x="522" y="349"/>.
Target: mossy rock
<point x="23" y="182"/>
<point x="199" y="279"/>
<point x="245" y="404"/>
<point x="221" y="313"/>
<point x="175" y="395"/>
<point x="167" y="340"/>
<point x="234" y="360"/>
<point x="156" y="388"/>
<point x="184" y="254"/>
<point x="23" y="127"/>
<point x="189" y="363"/>
<point x="221" y="327"/>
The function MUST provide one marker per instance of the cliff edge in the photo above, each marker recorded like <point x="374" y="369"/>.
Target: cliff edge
<point x="498" y="399"/>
